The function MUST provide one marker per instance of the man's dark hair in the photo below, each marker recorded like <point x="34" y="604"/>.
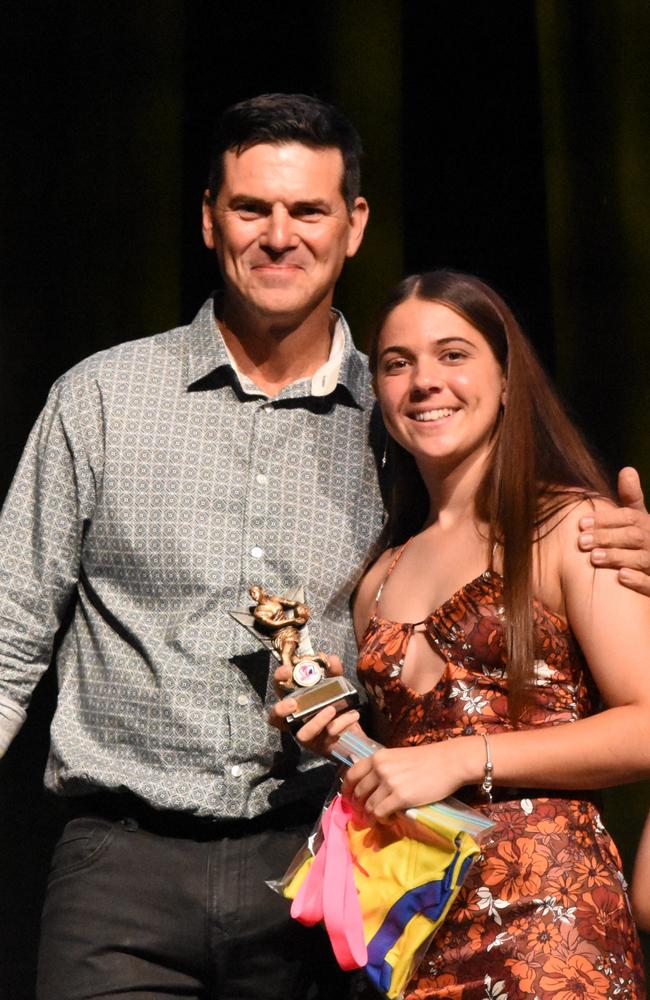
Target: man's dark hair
<point x="282" y="118"/>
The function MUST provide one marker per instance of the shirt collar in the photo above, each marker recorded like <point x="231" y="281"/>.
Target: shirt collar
<point x="206" y="352"/>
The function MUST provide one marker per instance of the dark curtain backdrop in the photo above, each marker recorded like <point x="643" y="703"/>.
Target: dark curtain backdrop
<point x="507" y="138"/>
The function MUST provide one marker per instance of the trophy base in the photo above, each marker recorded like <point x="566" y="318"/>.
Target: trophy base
<point x="337" y="691"/>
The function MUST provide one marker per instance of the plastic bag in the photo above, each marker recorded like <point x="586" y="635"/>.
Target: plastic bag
<point x="382" y="890"/>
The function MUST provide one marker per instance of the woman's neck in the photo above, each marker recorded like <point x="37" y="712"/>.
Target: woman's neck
<point x="452" y="489"/>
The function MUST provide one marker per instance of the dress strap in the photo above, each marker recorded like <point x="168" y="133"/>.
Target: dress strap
<point x="392" y="566"/>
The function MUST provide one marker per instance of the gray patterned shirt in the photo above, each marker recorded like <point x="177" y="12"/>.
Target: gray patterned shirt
<point x="157" y="485"/>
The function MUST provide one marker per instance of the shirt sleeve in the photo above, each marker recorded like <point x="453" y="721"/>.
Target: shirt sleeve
<point x="42" y="524"/>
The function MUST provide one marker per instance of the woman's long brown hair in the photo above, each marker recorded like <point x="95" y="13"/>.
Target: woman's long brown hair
<point x="539" y="463"/>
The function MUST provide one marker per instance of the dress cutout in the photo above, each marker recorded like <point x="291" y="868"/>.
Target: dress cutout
<point x="544" y="912"/>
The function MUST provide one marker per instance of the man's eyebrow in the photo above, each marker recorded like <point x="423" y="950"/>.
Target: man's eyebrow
<point x="249" y="199"/>
<point x="309" y="203"/>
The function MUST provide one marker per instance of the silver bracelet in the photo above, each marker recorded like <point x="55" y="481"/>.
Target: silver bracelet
<point x="486" y="784"/>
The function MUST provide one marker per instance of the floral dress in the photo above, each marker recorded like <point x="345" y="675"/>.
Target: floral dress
<point x="543" y="912"/>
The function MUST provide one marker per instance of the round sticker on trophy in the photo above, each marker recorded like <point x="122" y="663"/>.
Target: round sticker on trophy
<point x="307" y="672"/>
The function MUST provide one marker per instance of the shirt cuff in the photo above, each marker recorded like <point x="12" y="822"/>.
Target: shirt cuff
<point x="12" y="717"/>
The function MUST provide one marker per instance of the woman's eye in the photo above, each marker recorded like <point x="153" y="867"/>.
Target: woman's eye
<point x="454" y="356"/>
<point x="395" y="364"/>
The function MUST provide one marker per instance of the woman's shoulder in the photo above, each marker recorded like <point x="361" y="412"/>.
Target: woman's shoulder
<point x="560" y="508"/>
<point x="375" y="575"/>
<point x="365" y="596"/>
<point x="557" y="551"/>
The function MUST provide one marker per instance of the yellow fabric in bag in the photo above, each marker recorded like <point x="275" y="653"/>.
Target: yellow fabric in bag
<point x="407" y="874"/>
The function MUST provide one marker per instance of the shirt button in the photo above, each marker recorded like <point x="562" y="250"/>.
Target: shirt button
<point x="257" y="552"/>
<point x="242" y="699"/>
<point x="261" y="478"/>
<point x="236" y="771"/>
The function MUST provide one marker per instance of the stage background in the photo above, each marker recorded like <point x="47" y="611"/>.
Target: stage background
<point x="509" y="138"/>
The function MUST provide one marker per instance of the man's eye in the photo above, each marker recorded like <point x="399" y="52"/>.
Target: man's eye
<point x="248" y="211"/>
<point x="310" y="212"/>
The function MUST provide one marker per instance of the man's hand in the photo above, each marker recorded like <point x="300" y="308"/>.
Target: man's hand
<point x="322" y="731"/>
<point x="619" y="537"/>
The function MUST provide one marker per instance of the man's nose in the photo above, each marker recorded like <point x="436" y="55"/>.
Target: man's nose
<point x="278" y="234"/>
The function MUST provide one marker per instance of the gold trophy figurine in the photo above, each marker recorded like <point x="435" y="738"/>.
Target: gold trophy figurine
<point x="279" y="622"/>
<point x="282" y="619"/>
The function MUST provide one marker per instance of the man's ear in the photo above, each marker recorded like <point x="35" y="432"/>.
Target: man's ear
<point x="358" y="222"/>
<point x="207" y="221"/>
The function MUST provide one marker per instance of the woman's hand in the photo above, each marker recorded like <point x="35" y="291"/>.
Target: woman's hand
<point x="413" y="776"/>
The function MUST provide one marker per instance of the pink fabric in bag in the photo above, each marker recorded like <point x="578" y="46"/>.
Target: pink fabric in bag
<point x="328" y="892"/>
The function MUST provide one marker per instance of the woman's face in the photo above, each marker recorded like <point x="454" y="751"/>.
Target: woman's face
<point x="439" y="385"/>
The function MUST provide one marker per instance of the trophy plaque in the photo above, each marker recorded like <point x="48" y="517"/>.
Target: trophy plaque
<point x="279" y="623"/>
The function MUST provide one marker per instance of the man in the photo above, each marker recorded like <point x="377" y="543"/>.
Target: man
<point x="163" y="478"/>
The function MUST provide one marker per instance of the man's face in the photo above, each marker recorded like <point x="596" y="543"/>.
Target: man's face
<point x="281" y="229"/>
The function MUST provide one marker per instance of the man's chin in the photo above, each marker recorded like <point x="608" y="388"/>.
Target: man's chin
<point x="285" y="307"/>
<point x="281" y="307"/>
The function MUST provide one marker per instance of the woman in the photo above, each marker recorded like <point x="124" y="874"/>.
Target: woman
<point x="640" y="887"/>
<point x="486" y="693"/>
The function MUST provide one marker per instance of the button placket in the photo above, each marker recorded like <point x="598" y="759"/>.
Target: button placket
<point x="260" y="452"/>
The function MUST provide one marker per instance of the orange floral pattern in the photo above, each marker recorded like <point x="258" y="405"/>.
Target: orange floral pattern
<point x="544" y="912"/>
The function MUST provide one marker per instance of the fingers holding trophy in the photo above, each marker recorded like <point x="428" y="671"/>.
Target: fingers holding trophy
<point x="279" y="623"/>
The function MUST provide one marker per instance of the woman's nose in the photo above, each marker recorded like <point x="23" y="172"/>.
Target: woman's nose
<point x="426" y="380"/>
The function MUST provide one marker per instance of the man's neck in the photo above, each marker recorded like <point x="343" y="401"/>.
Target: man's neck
<point x="273" y="354"/>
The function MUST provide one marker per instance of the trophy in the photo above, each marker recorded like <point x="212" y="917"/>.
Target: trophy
<point x="279" y="623"/>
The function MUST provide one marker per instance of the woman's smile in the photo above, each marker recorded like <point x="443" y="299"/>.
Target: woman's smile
<point x="431" y="416"/>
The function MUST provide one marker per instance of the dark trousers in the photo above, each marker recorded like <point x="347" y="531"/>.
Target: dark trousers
<point x="133" y="913"/>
